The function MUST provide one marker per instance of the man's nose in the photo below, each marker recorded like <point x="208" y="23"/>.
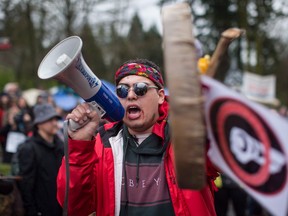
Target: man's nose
<point x="131" y="94"/>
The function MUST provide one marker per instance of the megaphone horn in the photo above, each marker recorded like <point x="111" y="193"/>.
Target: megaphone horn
<point x="65" y="63"/>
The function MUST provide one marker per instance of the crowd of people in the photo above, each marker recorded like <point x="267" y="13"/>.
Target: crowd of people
<point x="32" y="144"/>
<point x="16" y="115"/>
<point x="117" y="168"/>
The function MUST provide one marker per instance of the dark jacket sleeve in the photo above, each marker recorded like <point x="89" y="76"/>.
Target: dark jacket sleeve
<point x="27" y="169"/>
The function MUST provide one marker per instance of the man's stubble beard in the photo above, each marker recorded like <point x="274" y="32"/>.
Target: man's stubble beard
<point x="143" y="126"/>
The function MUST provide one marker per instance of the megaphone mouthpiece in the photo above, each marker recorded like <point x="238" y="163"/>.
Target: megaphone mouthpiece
<point x="63" y="60"/>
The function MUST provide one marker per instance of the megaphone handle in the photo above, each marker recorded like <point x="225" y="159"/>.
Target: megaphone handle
<point x="74" y="126"/>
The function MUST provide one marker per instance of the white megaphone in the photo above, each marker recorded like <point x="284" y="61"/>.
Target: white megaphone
<point x="65" y="63"/>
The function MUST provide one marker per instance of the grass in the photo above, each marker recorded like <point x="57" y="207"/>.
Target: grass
<point x="5" y="169"/>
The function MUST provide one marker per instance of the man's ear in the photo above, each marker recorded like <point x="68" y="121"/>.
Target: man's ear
<point x="161" y="94"/>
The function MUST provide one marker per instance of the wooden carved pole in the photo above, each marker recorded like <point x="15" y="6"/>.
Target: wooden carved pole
<point x="185" y="96"/>
<point x="218" y="56"/>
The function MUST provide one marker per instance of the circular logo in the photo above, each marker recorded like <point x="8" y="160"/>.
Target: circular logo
<point x="248" y="145"/>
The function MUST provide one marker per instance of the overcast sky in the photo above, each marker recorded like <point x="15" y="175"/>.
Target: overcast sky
<point x="148" y="11"/>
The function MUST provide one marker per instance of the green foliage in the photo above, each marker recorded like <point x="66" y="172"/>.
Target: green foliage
<point x="103" y="50"/>
<point x="5" y="169"/>
<point x="257" y="52"/>
<point x="35" y="26"/>
<point x="153" y="47"/>
<point x="6" y="75"/>
<point x="92" y="53"/>
<point x="144" y="44"/>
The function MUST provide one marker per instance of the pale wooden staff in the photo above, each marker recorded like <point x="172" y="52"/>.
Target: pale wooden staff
<point x="219" y="56"/>
<point x="186" y="101"/>
<point x="185" y="96"/>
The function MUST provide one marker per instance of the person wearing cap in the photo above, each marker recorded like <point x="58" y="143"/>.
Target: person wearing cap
<point x="39" y="160"/>
<point x="128" y="168"/>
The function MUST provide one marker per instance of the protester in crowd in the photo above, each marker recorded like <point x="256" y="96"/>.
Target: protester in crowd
<point x="25" y="115"/>
<point x="5" y="103"/>
<point x="128" y="168"/>
<point x="283" y="111"/>
<point x="9" y="98"/>
<point x="16" y="126"/>
<point x="39" y="160"/>
<point x="230" y="194"/>
<point x="12" y="89"/>
<point x="45" y="97"/>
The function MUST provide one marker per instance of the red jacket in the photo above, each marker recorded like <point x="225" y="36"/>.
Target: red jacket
<point x="92" y="185"/>
<point x="92" y="178"/>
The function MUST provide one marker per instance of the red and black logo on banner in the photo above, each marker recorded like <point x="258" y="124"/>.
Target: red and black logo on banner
<point x="248" y="145"/>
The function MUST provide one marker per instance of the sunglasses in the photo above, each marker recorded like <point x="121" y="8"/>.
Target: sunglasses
<point x="140" y="89"/>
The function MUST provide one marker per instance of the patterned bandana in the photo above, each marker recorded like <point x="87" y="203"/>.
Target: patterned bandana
<point x="139" y="70"/>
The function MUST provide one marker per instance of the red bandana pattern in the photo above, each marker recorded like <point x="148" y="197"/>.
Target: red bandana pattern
<point x="139" y="70"/>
